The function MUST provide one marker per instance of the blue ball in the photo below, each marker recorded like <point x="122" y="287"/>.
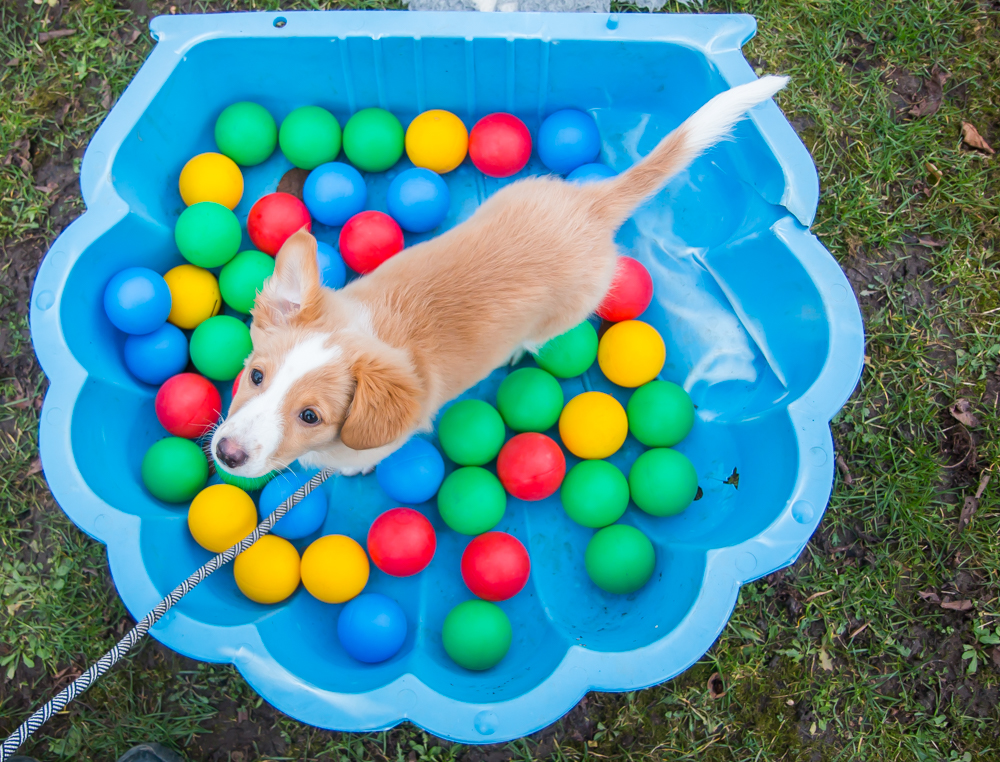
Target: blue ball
<point x="588" y="173"/>
<point x="305" y="518"/>
<point x="372" y="628"/>
<point x="137" y="300"/>
<point x="418" y="200"/>
<point x="413" y="473"/>
<point x="334" y="192"/>
<point x="155" y="357"/>
<point x="332" y="270"/>
<point x="568" y="139"/>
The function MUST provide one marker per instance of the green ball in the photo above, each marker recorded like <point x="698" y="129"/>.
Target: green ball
<point x="620" y="559"/>
<point x="208" y="234"/>
<point x="246" y="133"/>
<point x="530" y="399"/>
<point x="219" y="346"/>
<point x="663" y="482"/>
<point x="471" y="500"/>
<point x="471" y="432"/>
<point x="243" y="278"/>
<point x="660" y="414"/>
<point x="476" y="634"/>
<point x="174" y="470"/>
<point x="246" y="483"/>
<point x="373" y="140"/>
<point x="594" y="493"/>
<point x="310" y="136"/>
<point x="570" y="354"/>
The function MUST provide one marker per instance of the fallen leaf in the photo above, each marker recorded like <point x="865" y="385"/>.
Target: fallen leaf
<point x="814" y="596"/>
<point x="845" y="472"/>
<point x="13" y="62"/>
<point x="930" y="242"/>
<point x="982" y="485"/>
<point x="972" y="138"/>
<point x="47" y="189"/>
<point x="860" y="630"/>
<point x="933" y="172"/>
<point x="961" y="411"/>
<point x="956" y="605"/>
<point x="242" y="715"/>
<point x="716" y="688"/>
<point x="969" y="507"/>
<point x="35" y="467"/>
<point x="931" y="102"/>
<point x="824" y="660"/>
<point x="929" y="595"/>
<point x="106" y="99"/>
<point x="55" y="34"/>
<point x="21" y="153"/>
<point x="734" y="479"/>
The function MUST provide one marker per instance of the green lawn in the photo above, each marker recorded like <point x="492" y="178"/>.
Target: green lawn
<point x="880" y="643"/>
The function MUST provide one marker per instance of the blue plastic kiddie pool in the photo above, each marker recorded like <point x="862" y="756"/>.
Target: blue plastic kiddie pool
<point x="760" y="323"/>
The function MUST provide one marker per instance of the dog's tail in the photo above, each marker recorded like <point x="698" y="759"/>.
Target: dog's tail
<point x="617" y="198"/>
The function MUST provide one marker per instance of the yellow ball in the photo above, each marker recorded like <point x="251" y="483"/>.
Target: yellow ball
<point x="268" y="572"/>
<point x="211" y="177"/>
<point x="437" y="140"/>
<point x="334" y="568"/>
<point x="631" y="353"/>
<point x="194" y="294"/>
<point x="220" y="516"/>
<point x="593" y="425"/>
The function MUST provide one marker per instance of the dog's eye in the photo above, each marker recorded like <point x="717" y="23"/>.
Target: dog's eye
<point x="256" y="376"/>
<point x="309" y="416"/>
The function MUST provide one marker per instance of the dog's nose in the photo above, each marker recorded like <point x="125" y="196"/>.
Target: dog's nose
<point x="230" y="453"/>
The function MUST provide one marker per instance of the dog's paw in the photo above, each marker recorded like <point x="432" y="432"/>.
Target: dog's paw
<point x="356" y="470"/>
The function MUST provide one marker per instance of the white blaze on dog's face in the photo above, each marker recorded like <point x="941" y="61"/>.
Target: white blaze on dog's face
<point x="314" y="379"/>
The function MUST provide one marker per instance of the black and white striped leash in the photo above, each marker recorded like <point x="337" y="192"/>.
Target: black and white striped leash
<point x="133" y="636"/>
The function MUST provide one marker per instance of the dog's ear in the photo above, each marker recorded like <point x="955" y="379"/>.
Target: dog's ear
<point x="294" y="291"/>
<point x="386" y="402"/>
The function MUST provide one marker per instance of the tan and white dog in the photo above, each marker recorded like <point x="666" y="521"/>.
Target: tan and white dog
<point x="341" y="379"/>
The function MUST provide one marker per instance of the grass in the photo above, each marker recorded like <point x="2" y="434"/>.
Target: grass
<point x="859" y="651"/>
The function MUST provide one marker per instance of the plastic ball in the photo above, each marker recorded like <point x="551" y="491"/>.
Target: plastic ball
<point x="211" y="177"/>
<point x="588" y="173"/>
<point x="332" y="271"/>
<point x="334" y="192"/>
<point x="631" y="353"/>
<point x="219" y="346"/>
<point x="334" y="568"/>
<point x="437" y="140"/>
<point x="373" y="140"/>
<point x="630" y="293"/>
<point x="594" y="493"/>
<point x="495" y="566"/>
<point x="267" y="571"/>
<point x="660" y="414"/>
<point x="188" y="405"/>
<point x="401" y="542"/>
<point x="246" y="133"/>
<point x="413" y="473"/>
<point x="500" y="145"/>
<point x="531" y="466"/>
<point x="208" y="234"/>
<point x="194" y="294"/>
<point x="530" y="399"/>
<point x="620" y="559"/>
<point x="476" y="635"/>
<point x="174" y="470"/>
<point x="372" y="628"/>
<point x="471" y="432"/>
<point x="471" y="500"/>
<point x="274" y="218"/>
<point x="568" y="139"/>
<point x="137" y="300"/>
<point x="246" y="483"/>
<point x="569" y="354"/>
<point x="243" y="278"/>
<point x="220" y="516"/>
<point x="155" y="357"/>
<point x="593" y="425"/>
<point x="310" y="136"/>
<point x="663" y="482"/>
<point x="305" y="517"/>
<point x="418" y="199"/>
<point x="368" y="239"/>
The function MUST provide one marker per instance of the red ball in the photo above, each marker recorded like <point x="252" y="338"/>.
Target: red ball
<point x="531" y="466"/>
<point x="495" y="566"/>
<point x="274" y="218"/>
<point x="500" y="145"/>
<point x="630" y="293"/>
<point x="401" y="542"/>
<point x="188" y="405"/>
<point x="368" y="239"/>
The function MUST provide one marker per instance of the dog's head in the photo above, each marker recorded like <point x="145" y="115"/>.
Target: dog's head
<point x="318" y="373"/>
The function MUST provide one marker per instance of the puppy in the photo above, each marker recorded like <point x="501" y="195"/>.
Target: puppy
<point x="341" y="379"/>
